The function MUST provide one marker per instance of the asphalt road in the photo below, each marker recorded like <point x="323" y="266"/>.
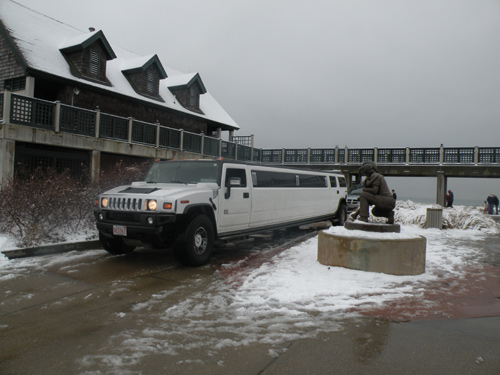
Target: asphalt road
<point x="93" y="313"/>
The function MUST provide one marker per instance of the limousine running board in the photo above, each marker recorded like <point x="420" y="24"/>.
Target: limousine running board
<point x="250" y="231"/>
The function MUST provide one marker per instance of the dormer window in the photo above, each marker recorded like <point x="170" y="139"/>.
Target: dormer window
<point x="144" y="75"/>
<point x="87" y="55"/>
<point x="94" y="62"/>
<point x="150" y="84"/>
<point x="193" y="97"/>
<point x="187" y="89"/>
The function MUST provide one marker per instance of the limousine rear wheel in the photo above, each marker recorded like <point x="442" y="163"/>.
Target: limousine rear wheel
<point x="194" y="246"/>
<point x="342" y="214"/>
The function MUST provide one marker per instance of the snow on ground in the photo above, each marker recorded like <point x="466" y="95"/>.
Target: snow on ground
<point x="290" y="297"/>
<point x="458" y="217"/>
<point x="3" y="260"/>
<point x="6" y="242"/>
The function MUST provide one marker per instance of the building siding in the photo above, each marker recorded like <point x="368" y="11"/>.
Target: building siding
<point x="9" y="66"/>
<point x="140" y="83"/>
<point x="128" y="108"/>
<point x="81" y="62"/>
<point x="183" y="96"/>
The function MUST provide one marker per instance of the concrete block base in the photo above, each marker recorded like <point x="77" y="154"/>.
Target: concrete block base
<point x="372" y="227"/>
<point x="391" y="255"/>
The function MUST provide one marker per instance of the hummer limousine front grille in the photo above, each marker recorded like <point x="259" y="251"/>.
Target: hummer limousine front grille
<point x="124" y="216"/>
<point x="126" y="204"/>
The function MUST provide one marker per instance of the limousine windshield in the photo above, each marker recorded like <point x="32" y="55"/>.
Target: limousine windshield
<point x="184" y="172"/>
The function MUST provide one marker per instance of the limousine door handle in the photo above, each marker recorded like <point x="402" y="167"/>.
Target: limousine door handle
<point x="246" y="195"/>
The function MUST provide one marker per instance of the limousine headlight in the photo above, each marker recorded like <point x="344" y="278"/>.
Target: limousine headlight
<point x="104" y="202"/>
<point x="151" y="205"/>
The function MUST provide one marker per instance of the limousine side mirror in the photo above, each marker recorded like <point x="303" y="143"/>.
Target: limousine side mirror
<point x="232" y="182"/>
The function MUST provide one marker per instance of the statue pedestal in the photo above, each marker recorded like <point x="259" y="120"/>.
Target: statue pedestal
<point x="372" y="227"/>
<point x="392" y="253"/>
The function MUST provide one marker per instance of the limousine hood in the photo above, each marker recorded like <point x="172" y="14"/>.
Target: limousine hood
<point x="160" y="190"/>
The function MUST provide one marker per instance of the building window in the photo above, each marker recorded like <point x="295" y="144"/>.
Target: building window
<point x="15" y="84"/>
<point x="95" y="59"/>
<point x="150" y="84"/>
<point x="192" y="97"/>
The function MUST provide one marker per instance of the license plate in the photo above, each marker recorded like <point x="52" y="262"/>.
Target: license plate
<point x="119" y="230"/>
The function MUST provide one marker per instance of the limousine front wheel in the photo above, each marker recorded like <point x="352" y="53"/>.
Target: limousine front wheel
<point x="194" y="246"/>
<point x="115" y="246"/>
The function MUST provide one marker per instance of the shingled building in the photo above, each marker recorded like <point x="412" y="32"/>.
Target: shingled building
<point x="69" y="97"/>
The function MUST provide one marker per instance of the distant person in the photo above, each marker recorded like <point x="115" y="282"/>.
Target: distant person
<point x="449" y="199"/>
<point x="491" y="203"/>
<point x="394" y="195"/>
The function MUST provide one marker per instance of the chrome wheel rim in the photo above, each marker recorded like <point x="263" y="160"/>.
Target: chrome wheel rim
<point x="200" y="240"/>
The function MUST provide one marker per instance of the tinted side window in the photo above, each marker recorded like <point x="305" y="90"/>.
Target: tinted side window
<point x="234" y="172"/>
<point x="273" y="179"/>
<point x="333" y="181"/>
<point x="312" y="181"/>
<point x="342" y="182"/>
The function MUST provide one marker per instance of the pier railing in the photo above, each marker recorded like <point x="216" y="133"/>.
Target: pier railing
<point x="27" y="111"/>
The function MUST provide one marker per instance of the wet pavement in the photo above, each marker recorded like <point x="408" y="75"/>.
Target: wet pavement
<point x="92" y="313"/>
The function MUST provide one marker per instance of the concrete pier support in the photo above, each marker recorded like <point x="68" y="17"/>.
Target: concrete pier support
<point x="441" y="188"/>
<point x="95" y="166"/>
<point x="7" y="153"/>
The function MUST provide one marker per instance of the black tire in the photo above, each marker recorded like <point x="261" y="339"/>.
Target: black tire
<point x="341" y="216"/>
<point x="115" y="246"/>
<point x="194" y="246"/>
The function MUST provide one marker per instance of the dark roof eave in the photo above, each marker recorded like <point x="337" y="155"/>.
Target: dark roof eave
<point x="196" y="78"/>
<point x="154" y="60"/>
<point x="222" y="126"/>
<point x="110" y="54"/>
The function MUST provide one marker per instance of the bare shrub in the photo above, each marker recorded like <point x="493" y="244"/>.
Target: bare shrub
<point x="46" y="206"/>
<point x="42" y="207"/>
<point x="122" y="174"/>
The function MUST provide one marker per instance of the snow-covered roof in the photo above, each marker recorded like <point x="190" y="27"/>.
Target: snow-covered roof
<point x="142" y="63"/>
<point x="39" y="39"/>
<point x="183" y="80"/>
<point x="84" y="40"/>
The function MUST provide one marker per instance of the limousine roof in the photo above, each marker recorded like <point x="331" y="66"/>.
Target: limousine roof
<point x="229" y="161"/>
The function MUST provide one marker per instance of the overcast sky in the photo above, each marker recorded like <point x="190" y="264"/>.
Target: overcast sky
<point x="361" y="73"/>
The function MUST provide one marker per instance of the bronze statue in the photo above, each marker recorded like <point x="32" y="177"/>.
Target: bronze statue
<point x="375" y="192"/>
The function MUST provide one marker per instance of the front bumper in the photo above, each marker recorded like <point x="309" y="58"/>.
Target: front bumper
<point x="138" y="226"/>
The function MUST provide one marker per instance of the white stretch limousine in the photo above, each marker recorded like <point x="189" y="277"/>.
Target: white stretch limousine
<point x="188" y="204"/>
